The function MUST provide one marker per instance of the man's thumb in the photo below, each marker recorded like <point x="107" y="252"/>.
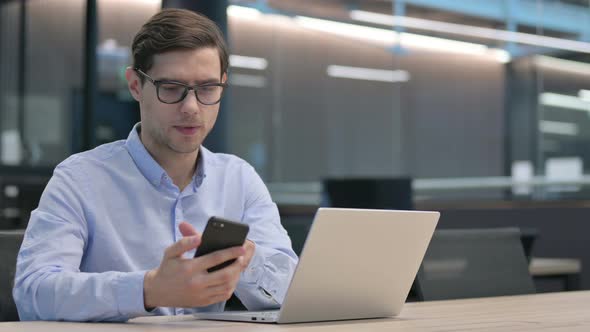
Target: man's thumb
<point x="187" y="229"/>
<point x="191" y="239"/>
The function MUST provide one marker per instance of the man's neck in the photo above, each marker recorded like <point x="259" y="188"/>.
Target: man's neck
<point x="179" y="166"/>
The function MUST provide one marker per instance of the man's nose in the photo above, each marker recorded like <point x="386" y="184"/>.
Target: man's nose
<point x="190" y="104"/>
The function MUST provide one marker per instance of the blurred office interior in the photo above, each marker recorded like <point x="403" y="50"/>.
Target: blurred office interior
<point x="480" y="107"/>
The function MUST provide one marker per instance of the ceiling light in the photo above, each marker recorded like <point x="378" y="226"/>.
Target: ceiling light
<point x="391" y="38"/>
<point x="558" y="128"/>
<point x="471" y="31"/>
<point x="563" y="101"/>
<point x="248" y="62"/>
<point x="368" y="74"/>
<point x="584" y="95"/>
<point x="383" y="36"/>
<point x="574" y="67"/>
<point x="250" y="81"/>
<point x="243" y="12"/>
<point x="348" y="30"/>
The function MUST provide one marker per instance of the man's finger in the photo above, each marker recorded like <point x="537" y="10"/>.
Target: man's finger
<point x="187" y="229"/>
<point x="220" y="290"/>
<point x="181" y="246"/>
<point x="217" y="257"/>
<point x="219" y="277"/>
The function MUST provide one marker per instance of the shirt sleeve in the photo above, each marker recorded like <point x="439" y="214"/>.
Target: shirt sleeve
<point x="263" y="285"/>
<point x="48" y="283"/>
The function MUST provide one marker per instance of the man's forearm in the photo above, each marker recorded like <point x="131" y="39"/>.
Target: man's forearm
<point x="76" y="296"/>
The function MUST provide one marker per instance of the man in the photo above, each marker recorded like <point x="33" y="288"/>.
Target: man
<point x="93" y="248"/>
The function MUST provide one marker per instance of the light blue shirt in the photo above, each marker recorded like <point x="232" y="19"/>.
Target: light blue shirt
<point x="106" y="217"/>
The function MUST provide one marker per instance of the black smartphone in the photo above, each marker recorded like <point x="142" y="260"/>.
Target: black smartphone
<point x="221" y="234"/>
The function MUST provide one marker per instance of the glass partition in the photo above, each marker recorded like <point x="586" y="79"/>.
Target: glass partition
<point x="42" y="68"/>
<point x="471" y="99"/>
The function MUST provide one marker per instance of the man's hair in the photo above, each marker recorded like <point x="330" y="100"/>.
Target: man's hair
<point x="176" y="29"/>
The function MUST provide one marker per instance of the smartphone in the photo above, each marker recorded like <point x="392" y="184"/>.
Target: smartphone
<point x="221" y="234"/>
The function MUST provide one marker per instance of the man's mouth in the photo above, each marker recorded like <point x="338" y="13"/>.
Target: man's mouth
<point x="186" y="130"/>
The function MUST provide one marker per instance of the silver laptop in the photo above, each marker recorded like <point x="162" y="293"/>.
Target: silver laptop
<point x="355" y="264"/>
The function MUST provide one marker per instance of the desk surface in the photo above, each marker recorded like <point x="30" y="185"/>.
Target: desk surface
<point x="567" y="311"/>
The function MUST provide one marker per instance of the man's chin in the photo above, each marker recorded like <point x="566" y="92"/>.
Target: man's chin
<point x="183" y="148"/>
<point x="187" y="151"/>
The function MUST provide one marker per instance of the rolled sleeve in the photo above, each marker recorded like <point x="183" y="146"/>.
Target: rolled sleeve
<point x="128" y="289"/>
<point x="49" y="282"/>
<point x="264" y="283"/>
<point x="256" y="268"/>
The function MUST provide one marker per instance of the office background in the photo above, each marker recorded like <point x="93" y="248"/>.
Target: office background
<point x="483" y="104"/>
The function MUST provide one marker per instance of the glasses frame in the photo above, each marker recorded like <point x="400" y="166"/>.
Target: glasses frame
<point x="186" y="87"/>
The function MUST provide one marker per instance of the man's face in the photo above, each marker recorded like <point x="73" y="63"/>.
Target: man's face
<point x="168" y="129"/>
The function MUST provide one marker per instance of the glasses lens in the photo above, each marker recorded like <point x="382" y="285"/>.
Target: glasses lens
<point x="209" y="94"/>
<point x="170" y="92"/>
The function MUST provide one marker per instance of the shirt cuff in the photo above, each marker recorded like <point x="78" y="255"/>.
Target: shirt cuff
<point x="255" y="269"/>
<point x="270" y="272"/>
<point x="128" y="289"/>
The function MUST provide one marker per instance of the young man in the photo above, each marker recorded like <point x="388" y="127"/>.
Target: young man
<point x="93" y="248"/>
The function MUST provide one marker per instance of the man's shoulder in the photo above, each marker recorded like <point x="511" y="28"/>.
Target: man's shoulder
<point x="94" y="157"/>
<point x="222" y="160"/>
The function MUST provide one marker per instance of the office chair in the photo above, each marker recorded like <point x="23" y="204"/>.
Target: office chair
<point x="474" y="263"/>
<point x="528" y="236"/>
<point x="10" y="242"/>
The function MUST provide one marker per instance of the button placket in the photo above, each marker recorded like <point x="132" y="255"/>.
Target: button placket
<point x="178" y="217"/>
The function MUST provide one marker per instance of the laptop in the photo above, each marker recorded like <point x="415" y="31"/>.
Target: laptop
<point x="355" y="264"/>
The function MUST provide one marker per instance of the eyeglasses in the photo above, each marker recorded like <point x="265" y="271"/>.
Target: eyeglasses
<point x="171" y="92"/>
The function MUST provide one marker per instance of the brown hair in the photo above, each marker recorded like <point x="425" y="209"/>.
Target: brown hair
<point x="176" y="29"/>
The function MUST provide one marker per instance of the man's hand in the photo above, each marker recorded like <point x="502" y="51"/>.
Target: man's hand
<point x="250" y="249"/>
<point x="181" y="282"/>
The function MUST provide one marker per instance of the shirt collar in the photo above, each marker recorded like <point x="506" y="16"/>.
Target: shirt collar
<point x="200" y="170"/>
<point x="148" y="166"/>
<point x="150" y="169"/>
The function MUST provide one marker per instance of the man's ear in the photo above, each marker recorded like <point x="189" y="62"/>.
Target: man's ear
<point x="133" y="83"/>
<point x="224" y="77"/>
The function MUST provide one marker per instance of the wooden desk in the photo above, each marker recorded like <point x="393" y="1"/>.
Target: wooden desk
<point x="566" y="269"/>
<point x="566" y="311"/>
